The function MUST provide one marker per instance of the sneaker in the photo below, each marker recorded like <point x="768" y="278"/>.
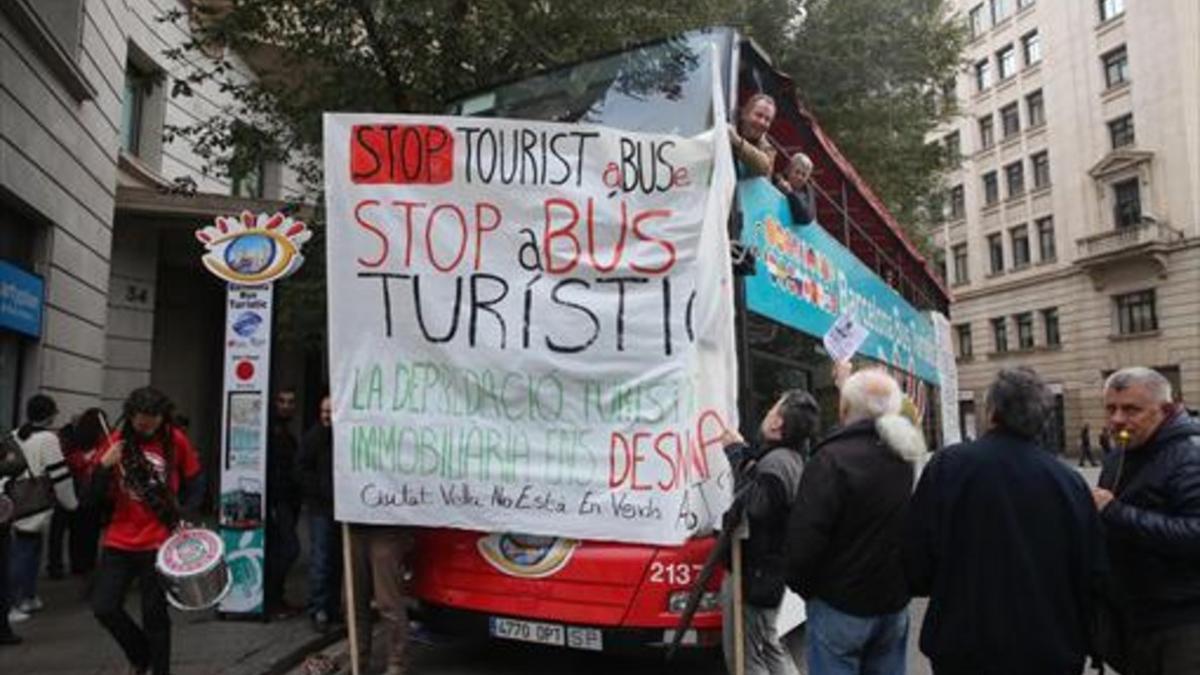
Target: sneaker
<point x="15" y="615"/>
<point x="31" y="605"/>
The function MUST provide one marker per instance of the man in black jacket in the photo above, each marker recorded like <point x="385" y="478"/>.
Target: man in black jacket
<point x="314" y="474"/>
<point x="846" y="530"/>
<point x="1149" y="502"/>
<point x="768" y="475"/>
<point x="1004" y="540"/>
<point x="283" y="547"/>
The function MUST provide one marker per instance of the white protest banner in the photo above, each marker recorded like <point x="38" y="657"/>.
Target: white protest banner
<point x="844" y="337"/>
<point x="531" y="326"/>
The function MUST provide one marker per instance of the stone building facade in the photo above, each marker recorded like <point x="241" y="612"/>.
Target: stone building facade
<point x="89" y="202"/>
<point x="1072" y="230"/>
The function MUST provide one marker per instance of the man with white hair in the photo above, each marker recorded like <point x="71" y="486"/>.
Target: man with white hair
<point x="846" y="529"/>
<point x="793" y="184"/>
<point x="1149" y="503"/>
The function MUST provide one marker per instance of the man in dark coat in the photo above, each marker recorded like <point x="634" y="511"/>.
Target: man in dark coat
<point x="768" y="475"/>
<point x="846" y="530"/>
<point x="283" y="546"/>
<point x="1004" y="540"/>
<point x="1149" y="502"/>
<point x="314" y="474"/>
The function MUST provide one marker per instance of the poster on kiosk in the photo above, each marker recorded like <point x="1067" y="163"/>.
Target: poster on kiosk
<point x="249" y="252"/>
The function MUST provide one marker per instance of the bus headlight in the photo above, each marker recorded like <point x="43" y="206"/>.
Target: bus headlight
<point x="709" y="601"/>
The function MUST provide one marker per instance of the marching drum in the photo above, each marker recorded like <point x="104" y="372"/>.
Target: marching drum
<point x="191" y="566"/>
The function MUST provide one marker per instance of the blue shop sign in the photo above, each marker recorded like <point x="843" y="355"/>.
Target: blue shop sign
<point x="20" y="300"/>
<point x="806" y="279"/>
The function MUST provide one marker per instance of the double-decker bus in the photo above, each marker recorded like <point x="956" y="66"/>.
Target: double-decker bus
<point x="594" y="595"/>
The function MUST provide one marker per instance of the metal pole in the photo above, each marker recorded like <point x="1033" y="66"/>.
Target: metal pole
<point x="739" y="643"/>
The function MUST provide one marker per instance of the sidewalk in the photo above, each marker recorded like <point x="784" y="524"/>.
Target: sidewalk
<point x="65" y="639"/>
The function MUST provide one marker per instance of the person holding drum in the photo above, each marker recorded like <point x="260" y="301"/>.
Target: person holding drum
<point x="145" y="478"/>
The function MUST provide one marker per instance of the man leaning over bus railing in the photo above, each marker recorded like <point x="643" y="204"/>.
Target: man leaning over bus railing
<point x="751" y="145"/>
<point x="768" y="475"/>
<point x="1149" y="503"/>
<point x="845" y="530"/>
<point x="793" y="185"/>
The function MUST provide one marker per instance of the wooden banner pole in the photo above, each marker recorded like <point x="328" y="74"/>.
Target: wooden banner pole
<point x="739" y="642"/>
<point x="351" y="623"/>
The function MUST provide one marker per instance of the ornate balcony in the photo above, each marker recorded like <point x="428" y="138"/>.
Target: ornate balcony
<point x="1149" y="241"/>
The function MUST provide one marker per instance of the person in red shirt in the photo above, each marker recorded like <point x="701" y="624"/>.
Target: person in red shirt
<point x="145" y="478"/>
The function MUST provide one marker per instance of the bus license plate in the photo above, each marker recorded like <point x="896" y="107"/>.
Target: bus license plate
<point x="585" y="638"/>
<point x="528" y="631"/>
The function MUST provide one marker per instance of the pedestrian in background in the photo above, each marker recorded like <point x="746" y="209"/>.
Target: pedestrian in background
<point x="846" y="531"/>
<point x="314" y="474"/>
<point x="1085" y="447"/>
<point x="767" y="479"/>
<point x="283" y="546"/>
<point x="1149" y="503"/>
<point x="1004" y="540"/>
<point x="43" y="456"/>
<point x="81" y="527"/>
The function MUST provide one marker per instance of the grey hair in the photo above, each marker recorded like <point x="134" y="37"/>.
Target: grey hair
<point x="870" y="394"/>
<point x="1019" y="402"/>
<point x="801" y="160"/>
<point x="1140" y="376"/>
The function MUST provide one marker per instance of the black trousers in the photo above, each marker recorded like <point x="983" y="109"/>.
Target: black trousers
<point x="81" y="529"/>
<point x="5" y="541"/>
<point x="1170" y="651"/>
<point x="147" y="646"/>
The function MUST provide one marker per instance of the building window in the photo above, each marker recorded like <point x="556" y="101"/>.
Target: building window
<point x="1006" y="62"/>
<point x="1128" y="203"/>
<point x="1050" y="321"/>
<point x="996" y="253"/>
<point x="138" y="85"/>
<point x="1000" y="10"/>
<point x="1020" y="246"/>
<point x="1110" y="9"/>
<point x="1120" y="131"/>
<point x="1022" y="4"/>
<point x="1024" y="330"/>
<point x="1035" y="107"/>
<point x="987" y="135"/>
<point x="1116" y="67"/>
<point x="1136" y="313"/>
<point x="1045" y="232"/>
<point x="953" y="144"/>
<point x="959" y="251"/>
<point x="1014" y="177"/>
<point x="1010" y="120"/>
<point x="1031" y="45"/>
<point x="1041" y="169"/>
<point x="991" y="188"/>
<point x="963" y="331"/>
<point x="977" y="21"/>
<point x="983" y="75"/>
<point x="958" y="202"/>
<point x="1000" y="335"/>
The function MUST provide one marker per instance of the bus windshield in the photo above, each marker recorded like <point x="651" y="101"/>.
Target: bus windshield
<point x="663" y="87"/>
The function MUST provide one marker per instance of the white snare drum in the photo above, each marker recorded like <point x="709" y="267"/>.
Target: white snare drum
<point x="191" y="566"/>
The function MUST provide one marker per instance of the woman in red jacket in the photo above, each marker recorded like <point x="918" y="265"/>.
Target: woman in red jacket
<point x="145" y="477"/>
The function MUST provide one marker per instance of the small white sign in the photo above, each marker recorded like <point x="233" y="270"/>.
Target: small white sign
<point x="844" y="338"/>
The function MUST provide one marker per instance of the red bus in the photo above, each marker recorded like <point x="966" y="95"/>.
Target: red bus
<point x="594" y="595"/>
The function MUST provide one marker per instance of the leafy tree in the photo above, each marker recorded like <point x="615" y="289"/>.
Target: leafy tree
<point x="868" y="69"/>
<point x="872" y="73"/>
